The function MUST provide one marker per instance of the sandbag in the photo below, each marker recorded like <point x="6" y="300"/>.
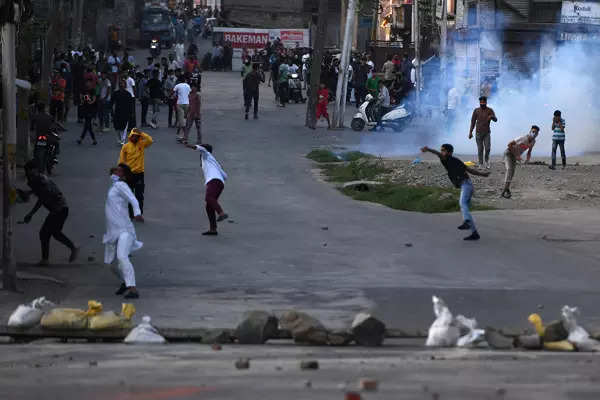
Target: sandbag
<point x="443" y="332"/>
<point x="144" y="333"/>
<point x="70" y="318"/>
<point x="111" y="320"/>
<point x="29" y="315"/>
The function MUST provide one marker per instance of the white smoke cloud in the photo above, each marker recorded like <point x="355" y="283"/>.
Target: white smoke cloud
<point x="571" y="84"/>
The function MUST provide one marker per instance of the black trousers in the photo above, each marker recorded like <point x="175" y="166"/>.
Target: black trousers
<point x="87" y="127"/>
<point x="249" y="97"/>
<point x="283" y="92"/>
<point x="52" y="227"/>
<point x="137" y="187"/>
<point x="145" y="102"/>
<point x="171" y="103"/>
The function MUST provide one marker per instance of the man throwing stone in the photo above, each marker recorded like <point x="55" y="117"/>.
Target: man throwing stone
<point x="457" y="172"/>
<point x="215" y="178"/>
<point x="481" y="118"/>
<point x="120" y="238"/>
<point x="513" y="154"/>
<point x="49" y="196"/>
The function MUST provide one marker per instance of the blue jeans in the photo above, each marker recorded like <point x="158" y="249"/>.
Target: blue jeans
<point x="466" y="192"/>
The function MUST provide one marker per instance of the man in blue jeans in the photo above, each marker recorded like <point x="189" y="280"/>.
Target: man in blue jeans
<point x="457" y="172"/>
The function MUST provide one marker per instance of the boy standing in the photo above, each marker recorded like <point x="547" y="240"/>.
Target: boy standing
<point x="558" y="139"/>
<point x="457" y="172"/>
<point x="323" y="95"/>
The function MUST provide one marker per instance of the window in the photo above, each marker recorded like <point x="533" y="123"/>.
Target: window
<point x="472" y="14"/>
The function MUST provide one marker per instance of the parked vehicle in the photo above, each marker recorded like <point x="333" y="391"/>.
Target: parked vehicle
<point x="397" y="118"/>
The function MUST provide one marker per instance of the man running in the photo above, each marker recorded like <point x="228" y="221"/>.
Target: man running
<point x="215" y="178"/>
<point x="457" y="172"/>
<point x="513" y="154"/>
<point x="481" y="118"/>
<point x="49" y="196"/>
<point x="132" y="155"/>
<point x="120" y="238"/>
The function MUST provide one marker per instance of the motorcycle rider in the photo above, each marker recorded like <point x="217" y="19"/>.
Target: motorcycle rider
<point x="42" y="123"/>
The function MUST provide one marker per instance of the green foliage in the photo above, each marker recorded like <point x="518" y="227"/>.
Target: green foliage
<point x="424" y="199"/>
<point x="354" y="171"/>
<point x="323" y="156"/>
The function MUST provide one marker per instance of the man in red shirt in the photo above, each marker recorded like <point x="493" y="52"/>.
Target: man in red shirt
<point x="323" y="96"/>
<point x="57" y="101"/>
<point x="190" y="64"/>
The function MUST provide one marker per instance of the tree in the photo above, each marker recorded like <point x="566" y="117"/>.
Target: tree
<point x="316" y="60"/>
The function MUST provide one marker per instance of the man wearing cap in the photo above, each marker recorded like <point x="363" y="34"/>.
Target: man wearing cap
<point x="132" y="154"/>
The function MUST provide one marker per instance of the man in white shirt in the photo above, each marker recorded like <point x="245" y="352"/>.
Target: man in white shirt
<point x="182" y="91"/>
<point x="215" y="178"/>
<point x="453" y="98"/>
<point x="513" y="154"/>
<point x="120" y="238"/>
<point x="129" y="87"/>
<point x="383" y="100"/>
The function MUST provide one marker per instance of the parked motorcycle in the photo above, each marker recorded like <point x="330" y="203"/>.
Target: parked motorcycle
<point x="295" y="88"/>
<point x="397" y="118"/>
<point x="155" y="48"/>
<point x="45" y="151"/>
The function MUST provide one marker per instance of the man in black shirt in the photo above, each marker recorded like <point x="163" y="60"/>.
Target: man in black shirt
<point x="156" y="94"/>
<point x="458" y="174"/>
<point x="251" y="84"/>
<point x="49" y="196"/>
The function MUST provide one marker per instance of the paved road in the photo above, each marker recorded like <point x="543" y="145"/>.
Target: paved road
<point x="275" y="254"/>
<point x="110" y="372"/>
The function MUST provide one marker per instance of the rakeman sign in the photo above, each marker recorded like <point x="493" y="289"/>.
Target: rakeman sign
<point x="247" y="38"/>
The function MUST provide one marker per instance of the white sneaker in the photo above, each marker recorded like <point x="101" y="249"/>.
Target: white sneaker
<point x="488" y="165"/>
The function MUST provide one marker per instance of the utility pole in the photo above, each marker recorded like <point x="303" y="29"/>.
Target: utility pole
<point x="417" y="40"/>
<point x="443" y="53"/>
<point x="342" y="85"/>
<point x="9" y="16"/>
<point x="315" y="65"/>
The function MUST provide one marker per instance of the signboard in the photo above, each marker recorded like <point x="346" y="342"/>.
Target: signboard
<point x="251" y="40"/>
<point x="580" y="12"/>
<point x="579" y="36"/>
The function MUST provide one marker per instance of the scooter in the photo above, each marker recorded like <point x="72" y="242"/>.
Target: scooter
<point x="154" y="48"/>
<point x="45" y="151"/>
<point x="397" y="118"/>
<point x="295" y="89"/>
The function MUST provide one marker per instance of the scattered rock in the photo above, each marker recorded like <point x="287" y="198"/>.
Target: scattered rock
<point x="367" y="330"/>
<point x="325" y="228"/>
<point x="309" y="364"/>
<point x="339" y="338"/>
<point x="308" y="384"/>
<point x="278" y="368"/>
<point x="231" y="221"/>
<point x="92" y="235"/>
<point x="360" y="186"/>
<point x="216" y="347"/>
<point x="530" y="342"/>
<point x="445" y="196"/>
<point x="352" y="396"/>
<point x="408" y="244"/>
<point x="242" y="363"/>
<point x="93" y="363"/>
<point x="501" y="392"/>
<point x="91" y="259"/>
<point x="324" y="244"/>
<point x="222" y="336"/>
<point x="257" y="328"/>
<point x="555" y="332"/>
<point x="367" y="384"/>
<point x="304" y="328"/>
<point x="498" y="341"/>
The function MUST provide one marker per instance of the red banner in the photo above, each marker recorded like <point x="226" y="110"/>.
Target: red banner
<point x="250" y="40"/>
<point x="292" y="36"/>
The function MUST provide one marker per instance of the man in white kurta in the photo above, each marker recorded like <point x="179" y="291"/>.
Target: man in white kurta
<point x="120" y="238"/>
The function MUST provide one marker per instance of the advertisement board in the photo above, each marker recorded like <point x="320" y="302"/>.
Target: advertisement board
<point x="580" y="12"/>
<point x="255" y="39"/>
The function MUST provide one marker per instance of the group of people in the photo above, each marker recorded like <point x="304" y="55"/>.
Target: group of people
<point x="105" y="89"/>
<point x="458" y="172"/>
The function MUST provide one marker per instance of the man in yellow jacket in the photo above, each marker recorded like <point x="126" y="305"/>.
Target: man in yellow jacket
<point x="132" y="154"/>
